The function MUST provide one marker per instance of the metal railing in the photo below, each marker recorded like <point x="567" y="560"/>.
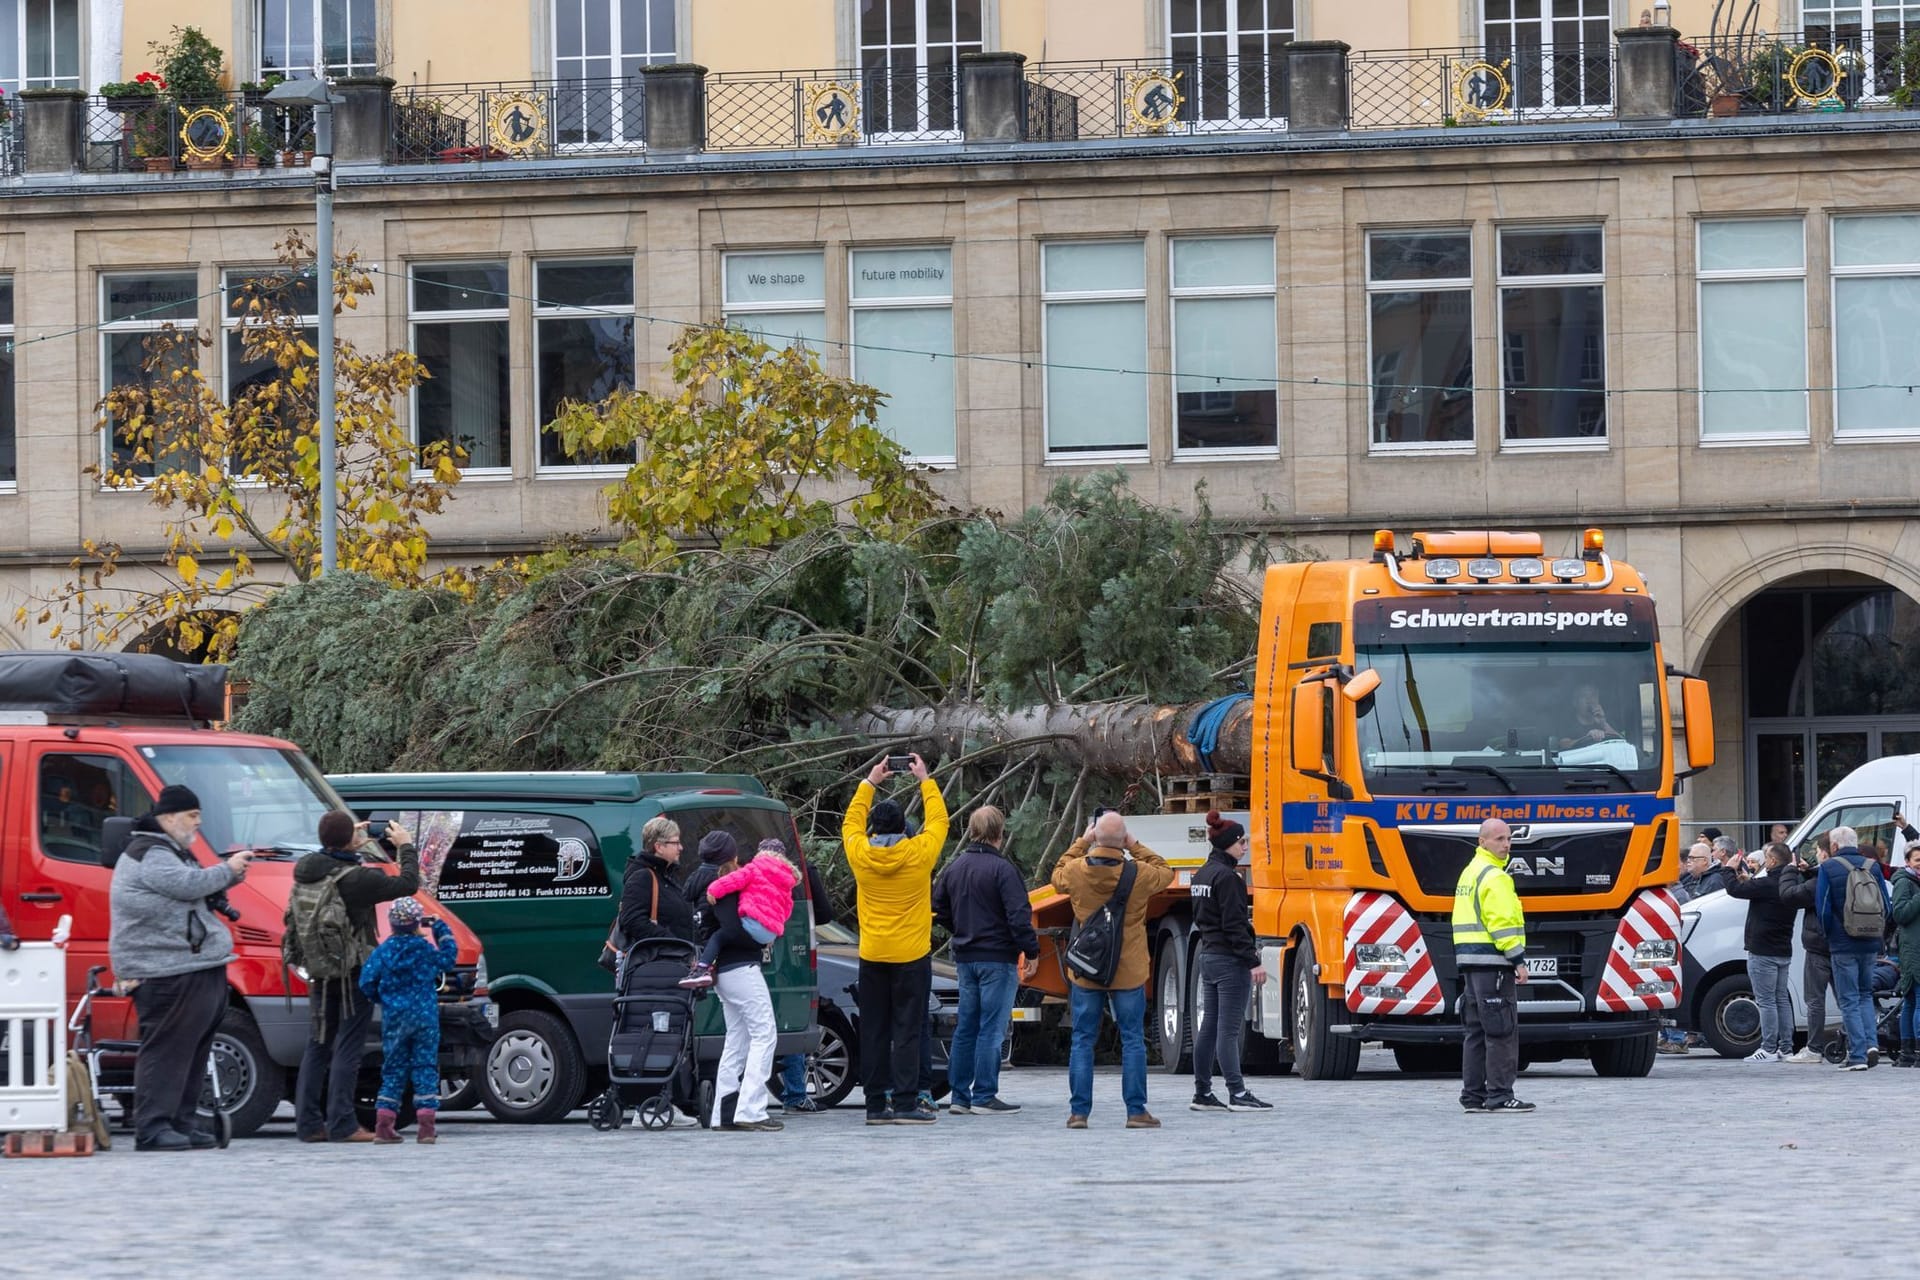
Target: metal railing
<point x="873" y="106"/>
<point x="1820" y="69"/>
<point x="1429" y="88"/>
<point x="128" y="135"/>
<point x="1155" y="98"/>
<point x="518" y="120"/>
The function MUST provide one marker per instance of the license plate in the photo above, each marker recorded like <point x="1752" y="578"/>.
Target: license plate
<point x="1026" y="1015"/>
<point x="1545" y="967"/>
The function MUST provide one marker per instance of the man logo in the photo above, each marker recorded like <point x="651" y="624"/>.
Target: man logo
<point x="1537" y="866"/>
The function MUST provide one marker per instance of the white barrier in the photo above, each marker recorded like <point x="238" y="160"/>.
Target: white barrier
<point x="33" y="1018"/>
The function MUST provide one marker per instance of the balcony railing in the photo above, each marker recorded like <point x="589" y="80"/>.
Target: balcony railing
<point x="873" y="106"/>
<point x="1154" y="98"/>
<point x="1821" y="69"/>
<point x="233" y="130"/>
<point x="529" y="119"/>
<point x="1428" y="88"/>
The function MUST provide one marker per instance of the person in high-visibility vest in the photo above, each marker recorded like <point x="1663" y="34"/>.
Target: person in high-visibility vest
<point x="1490" y="947"/>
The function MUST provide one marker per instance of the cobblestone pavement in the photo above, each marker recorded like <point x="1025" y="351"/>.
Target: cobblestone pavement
<point x="1383" y="1175"/>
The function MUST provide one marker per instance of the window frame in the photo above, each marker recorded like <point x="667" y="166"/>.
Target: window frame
<point x="1702" y="280"/>
<point x="540" y="312"/>
<point x="319" y="66"/>
<point x="82" y="51"/>
<point x="730" y="309"/>
<point x="1501" y="283"/>
<point x="1446" y="284"/>
<point x="11" y="409"/>
<point x="503" y="314"/>
<point x="621" y="135"/>
<point x="1837" y="273"/>
<point x="1545" y="24"/>
<point x="915" y="302"/>
<point x="922" y="70"/>
<point x="1177" y="294"/>
<point x="231" y="324"/>
<point x="1233" y="33"/>
<point x="1837" y="17"/>
<point x="82" y="752"/>
<point x="108" y="329"/>
<point x="1049" y="299"/>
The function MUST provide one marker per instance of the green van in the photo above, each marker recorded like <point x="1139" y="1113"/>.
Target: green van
<point x="533" y="863"/>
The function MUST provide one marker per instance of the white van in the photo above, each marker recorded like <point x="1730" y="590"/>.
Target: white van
<point x="1715" y="993"/>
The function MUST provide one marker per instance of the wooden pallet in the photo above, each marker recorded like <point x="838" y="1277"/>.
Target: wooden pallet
<point x="46" y="1142"/>
<point x="1223" y="791"/>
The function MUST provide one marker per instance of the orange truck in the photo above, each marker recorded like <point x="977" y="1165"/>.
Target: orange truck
<point x="1398" y="702"/>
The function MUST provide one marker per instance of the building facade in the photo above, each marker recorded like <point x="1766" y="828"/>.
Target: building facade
<point x="1491" y="291"/>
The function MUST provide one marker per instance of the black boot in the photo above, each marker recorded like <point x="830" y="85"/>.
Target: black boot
<point x="1907" y="1054"/>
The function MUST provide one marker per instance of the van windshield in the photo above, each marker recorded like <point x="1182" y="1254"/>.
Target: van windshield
<point x="250" y="797"/>
<point x="1504" y="719"/>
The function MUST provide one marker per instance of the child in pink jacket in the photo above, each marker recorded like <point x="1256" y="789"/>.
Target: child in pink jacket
<point x="765" y="886"/>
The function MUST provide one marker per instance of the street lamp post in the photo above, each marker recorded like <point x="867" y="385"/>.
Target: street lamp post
<point x="316" y="94"/>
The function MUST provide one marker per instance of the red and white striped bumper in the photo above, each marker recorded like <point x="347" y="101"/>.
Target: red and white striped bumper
<point x="1404" y="986"/>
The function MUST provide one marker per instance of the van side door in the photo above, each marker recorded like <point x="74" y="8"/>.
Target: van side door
<point x="76" y="787"/>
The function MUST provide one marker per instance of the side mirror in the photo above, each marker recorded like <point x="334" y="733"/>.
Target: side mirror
<point x="1697" y="704"/>
<point x="114" y="834"/>
<point x="1360" y="686"/>
<point x="1308" y="740"/>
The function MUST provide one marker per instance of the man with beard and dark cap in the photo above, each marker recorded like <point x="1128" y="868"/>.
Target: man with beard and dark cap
<point x="166" y="943"/>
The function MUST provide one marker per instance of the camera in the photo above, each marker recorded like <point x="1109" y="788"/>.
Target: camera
<point x="899" y="764"/>
<point x="220" y="906"/>
<point x="377" y="829"/>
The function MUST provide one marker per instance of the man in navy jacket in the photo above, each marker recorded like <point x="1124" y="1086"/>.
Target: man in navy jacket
<point x="1852" y="957"/>
<point x="982" y="901"/>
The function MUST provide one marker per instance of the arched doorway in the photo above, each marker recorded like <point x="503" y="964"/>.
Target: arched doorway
<point x="1830" y="680"/>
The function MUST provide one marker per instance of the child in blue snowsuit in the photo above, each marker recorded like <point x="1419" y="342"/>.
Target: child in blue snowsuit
<point x="400" y="975"/>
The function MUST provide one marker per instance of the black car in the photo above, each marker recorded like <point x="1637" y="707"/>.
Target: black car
<point x="834" y="1069"/>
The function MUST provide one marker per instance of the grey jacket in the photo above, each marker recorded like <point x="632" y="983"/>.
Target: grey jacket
<point x="161" y="925"/>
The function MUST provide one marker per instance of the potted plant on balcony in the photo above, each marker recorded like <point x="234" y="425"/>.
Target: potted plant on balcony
<point x="133" y="95"/>
<point x="191" y="64"/>
<point x="1906" y="69"/>
<point x="1768" y="70"/>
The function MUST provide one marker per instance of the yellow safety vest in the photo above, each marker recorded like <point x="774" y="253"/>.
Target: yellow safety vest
<point x="1488" y="926"/>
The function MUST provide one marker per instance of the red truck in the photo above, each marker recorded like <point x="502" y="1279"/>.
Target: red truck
<point x="86" y="742"/>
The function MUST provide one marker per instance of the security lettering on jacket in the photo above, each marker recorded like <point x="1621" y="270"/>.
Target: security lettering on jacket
<point x="1489" y="928"/>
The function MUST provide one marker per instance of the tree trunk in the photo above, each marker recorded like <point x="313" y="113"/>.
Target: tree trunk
<point x="1125" y="738"/>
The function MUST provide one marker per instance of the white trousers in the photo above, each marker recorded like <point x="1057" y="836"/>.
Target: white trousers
<point x="752" y="1034"/>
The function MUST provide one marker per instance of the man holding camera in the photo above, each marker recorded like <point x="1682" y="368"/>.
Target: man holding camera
<point x="167" y="946"/>
<point x="337" y="1041"/>
<point x="893" y="872"/>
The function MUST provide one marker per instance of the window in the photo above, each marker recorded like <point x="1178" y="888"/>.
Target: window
<point x="1225" y="355"/>
<point x="337" y="37"/>
<point x="78" y="793"/>
<point x="1753" y="329"/>
<point x="39" y="44"/>
<point x="1841" y="25"/>
<point x="1553" y="336"/>
<point x="133" y="309"/>
<point x="902" y="311"/>
<point x="1230" y="50"/>
<point x="9" y="432"/>
<point x="910" y="63"/>
<point x="778" y="297"/>
<point x="1558" y="54"/>
<point x="1094" y="296"/>
<point x="1420" y="337"/>
<point x="1876" y="325"/>
<point x="291" y="293"/>
<point x="599" y="47"/>
<point x="460" y="334"/>
<point x="583" y="328"/>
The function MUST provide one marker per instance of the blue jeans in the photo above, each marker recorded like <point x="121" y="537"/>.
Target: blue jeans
<point x="793" y="1079"/>
<point x="1768" y="974"/>
<point x="986" y="1002"/>
<point x="1129" y="1013"/>
<point x="1909" y="1006"/>
<point x="1853" y="983"/>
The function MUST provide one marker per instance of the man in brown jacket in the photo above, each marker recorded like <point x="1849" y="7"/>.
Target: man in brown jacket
<point x="1088" y="873"/>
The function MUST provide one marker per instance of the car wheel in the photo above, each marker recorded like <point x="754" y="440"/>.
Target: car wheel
<point x="459" y="1093"/>
<point x="833" y="1068"/>
<point x="247" y="1084"/>
<point x="1730" y="1017"/>
<point x="534" y="1072"/>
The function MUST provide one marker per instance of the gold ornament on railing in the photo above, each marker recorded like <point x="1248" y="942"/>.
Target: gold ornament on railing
<point x="1482" y="89"/>
<point x="1154" y="100"/>
<point x="832" y="111"/>
<point x="517" y="123"/>
<point x="206" y="134"/>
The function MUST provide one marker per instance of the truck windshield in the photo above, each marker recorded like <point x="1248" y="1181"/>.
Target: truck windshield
<point x="1494" y="719"/>
<point x="250" y="797"/>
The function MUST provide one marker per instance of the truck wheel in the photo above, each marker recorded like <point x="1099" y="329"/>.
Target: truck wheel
<point x="534" y="1072"/>
<point x="1628" y="1059"/>
<point x="1319" y="1053"/>
<point x="1729" y="1017"/>
<point x="1173" y="1012"/>
<point x="1427" y="1059"/>
<point x="250" y="1083"/>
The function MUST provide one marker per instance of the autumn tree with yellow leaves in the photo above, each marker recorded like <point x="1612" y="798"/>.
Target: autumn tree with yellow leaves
<point x="240" y="478"/>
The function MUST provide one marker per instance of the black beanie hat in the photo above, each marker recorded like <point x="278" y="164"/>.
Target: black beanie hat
<point x="175" y="799"/>
<point x="886" y="818"/>
<point x="1222" y="832"/>
<point x="717" y="847"/>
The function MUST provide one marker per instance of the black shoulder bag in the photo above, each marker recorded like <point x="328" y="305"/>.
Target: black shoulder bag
<point x="1094" y="953"/>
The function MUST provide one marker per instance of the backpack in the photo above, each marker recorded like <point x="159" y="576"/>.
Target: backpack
<point x="318" y="936"/>
<point x="1094" y="953"/>
<point x="1863" y="912"/>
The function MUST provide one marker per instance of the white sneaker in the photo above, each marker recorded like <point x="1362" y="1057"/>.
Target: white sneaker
<point x="1804" y="1057"/>
<point x="1762" y="1055"/>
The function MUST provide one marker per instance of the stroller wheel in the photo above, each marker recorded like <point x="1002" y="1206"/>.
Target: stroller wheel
<point x="1835" y="1050"/>
<point x="605" y="1112"/>
<point x="657" y="1112"/>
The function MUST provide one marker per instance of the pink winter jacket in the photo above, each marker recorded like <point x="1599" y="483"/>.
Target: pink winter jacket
<point x="765" y="886"/>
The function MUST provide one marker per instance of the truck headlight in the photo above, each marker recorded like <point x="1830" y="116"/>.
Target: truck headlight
<point x="1380" y="955"/>
<point x="1656" y="951"/>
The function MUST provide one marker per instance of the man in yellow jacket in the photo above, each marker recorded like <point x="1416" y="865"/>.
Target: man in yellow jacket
<point x="1490" y="947"/>
<point x="893" y="875"/>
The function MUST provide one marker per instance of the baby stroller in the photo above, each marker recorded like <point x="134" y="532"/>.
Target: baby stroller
<point x="108" y="1072"/>
<point x="650" y="1052"/>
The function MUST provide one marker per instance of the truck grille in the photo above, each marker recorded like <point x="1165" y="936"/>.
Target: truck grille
<point x="457" y="983"/>
<point x="1587" y="862"/>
